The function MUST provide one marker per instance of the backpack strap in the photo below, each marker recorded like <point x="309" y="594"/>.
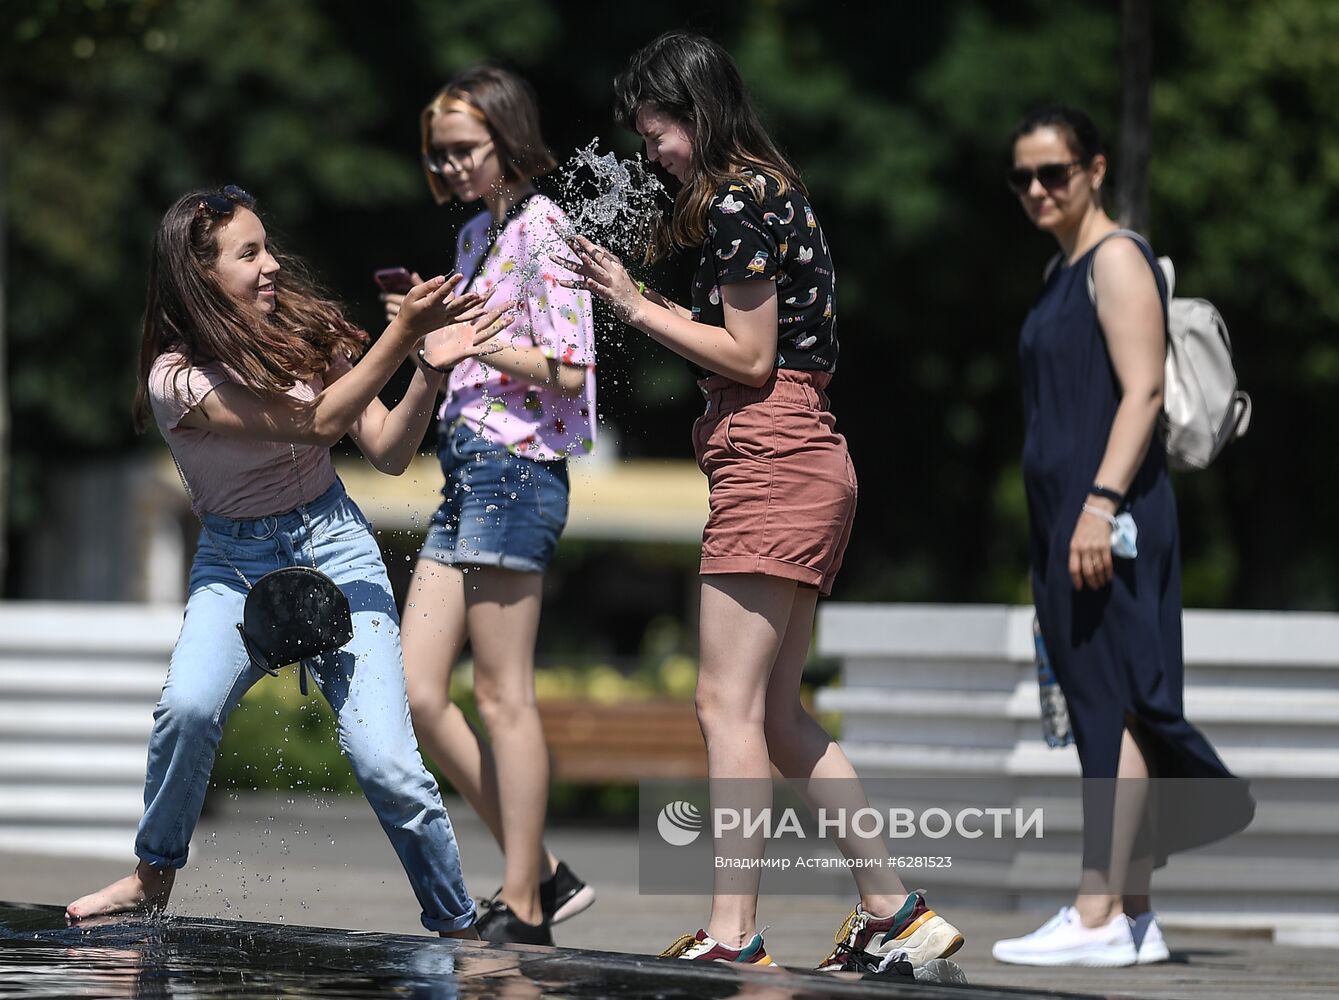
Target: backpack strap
<point x="1137" y="237"/>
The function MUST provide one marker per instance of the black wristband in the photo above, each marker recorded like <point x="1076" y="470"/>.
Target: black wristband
<point x="423" y="362"/>
<point x="1106" y="493"/>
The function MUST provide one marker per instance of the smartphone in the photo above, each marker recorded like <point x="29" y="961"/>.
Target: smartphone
<point x="395" y="280"/>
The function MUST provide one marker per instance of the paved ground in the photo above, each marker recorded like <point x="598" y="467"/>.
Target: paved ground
<point x="328" y="864"/>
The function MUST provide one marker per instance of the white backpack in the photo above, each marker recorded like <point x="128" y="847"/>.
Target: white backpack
<point x="1202" y="408"/>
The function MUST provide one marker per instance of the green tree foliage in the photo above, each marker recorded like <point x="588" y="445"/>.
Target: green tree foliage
<point x="898" y="116"/>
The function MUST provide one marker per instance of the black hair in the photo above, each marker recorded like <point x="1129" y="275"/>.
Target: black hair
<point x="1079" y="130"/>
<point x="692" y="79"/>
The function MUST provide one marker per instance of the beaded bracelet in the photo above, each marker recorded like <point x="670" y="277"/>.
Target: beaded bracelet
<point x="1099" y="512"/>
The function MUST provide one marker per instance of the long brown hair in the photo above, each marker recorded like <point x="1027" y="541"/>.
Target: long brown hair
<point x="692" y="79"/>
<point x="188" y="311"/>
<point x="504" y="104"/>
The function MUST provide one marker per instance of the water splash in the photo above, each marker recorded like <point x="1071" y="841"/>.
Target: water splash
<point x="608" y="200"/>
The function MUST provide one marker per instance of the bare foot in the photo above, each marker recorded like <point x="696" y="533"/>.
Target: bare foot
<point x="147" y="888"/>
<point x="465" y="934"/>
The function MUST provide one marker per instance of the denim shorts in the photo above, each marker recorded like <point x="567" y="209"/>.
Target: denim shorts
<point x="498" y="509"/>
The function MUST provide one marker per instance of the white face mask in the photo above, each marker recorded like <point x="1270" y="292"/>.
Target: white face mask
<point x="1124" y="534"/>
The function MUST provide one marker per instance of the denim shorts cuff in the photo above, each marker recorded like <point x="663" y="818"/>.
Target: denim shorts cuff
<point x="518" y="564"/>
<point x="158" y="861"/>
<point x="450" y="923"/>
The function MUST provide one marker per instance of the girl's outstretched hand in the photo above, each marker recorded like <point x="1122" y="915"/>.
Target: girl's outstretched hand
<point x="433" y="304"/>
<point x="471" y="338"/>
<point x="458" y="306"/>
<point x="600" y="272"/>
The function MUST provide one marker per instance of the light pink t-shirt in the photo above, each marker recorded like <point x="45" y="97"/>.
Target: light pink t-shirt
<point x="232" y="476"/>
<point x="536" y="421"/>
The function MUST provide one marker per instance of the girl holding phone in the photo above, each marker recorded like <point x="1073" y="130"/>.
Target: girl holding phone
<point x="760" y="336"/>
<point x="508" y="426"/>
<point x="251" y="376"/>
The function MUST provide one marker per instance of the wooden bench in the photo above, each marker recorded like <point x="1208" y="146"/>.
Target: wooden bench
<point x="627" y="742"/>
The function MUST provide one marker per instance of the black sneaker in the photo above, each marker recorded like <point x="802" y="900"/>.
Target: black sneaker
<point x="564" y="895"/>
<point x="498" y="923"/>
<point x="893" y="966"/>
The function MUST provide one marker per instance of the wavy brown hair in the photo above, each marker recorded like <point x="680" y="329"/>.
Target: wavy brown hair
<point x="505" y="105"/>
<point x="692" y="79"/>
<point x="189" y="312"/>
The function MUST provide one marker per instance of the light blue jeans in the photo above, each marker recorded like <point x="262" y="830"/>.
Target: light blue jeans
<point x="363" y="682"/>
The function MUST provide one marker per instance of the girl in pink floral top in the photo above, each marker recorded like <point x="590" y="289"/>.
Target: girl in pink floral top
<point x="507" y="428"/>
<point x="534" y="419"/>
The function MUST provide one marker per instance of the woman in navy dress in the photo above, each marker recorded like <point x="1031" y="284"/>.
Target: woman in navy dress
<point x="1092" y="392"/>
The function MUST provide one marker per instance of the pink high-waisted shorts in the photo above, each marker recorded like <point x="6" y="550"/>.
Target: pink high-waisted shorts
<point x="783" y="489"/>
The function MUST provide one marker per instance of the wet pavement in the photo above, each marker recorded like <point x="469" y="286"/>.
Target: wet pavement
<point x="42" y="957"/>
<point x="259" y="861"/>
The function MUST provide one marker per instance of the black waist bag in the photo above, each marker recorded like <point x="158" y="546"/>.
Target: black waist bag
<point x="292" y="614"/>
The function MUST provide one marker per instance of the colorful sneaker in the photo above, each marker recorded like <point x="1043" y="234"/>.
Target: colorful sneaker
<point x="1063" y="940"/>
<point x="700" y="947"/>
<point x="562" y="896"/>
<point x="498" y="923"/>
<point x="1149" y="943"/>
<point x="914" y="929"/>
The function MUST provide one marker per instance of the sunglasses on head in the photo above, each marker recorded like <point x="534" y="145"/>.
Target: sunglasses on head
<point x="1051" y="176"/>
<point x="224" y="201"/>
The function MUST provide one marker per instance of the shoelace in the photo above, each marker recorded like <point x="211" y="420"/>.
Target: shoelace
<point x="856" y="960"/>
<point x="680" y="946"/>
<point x="485" y="905"/>
<point x="848" y="930"/>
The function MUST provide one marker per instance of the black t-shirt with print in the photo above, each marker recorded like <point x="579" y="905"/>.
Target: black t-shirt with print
<point x="754" y="232"/>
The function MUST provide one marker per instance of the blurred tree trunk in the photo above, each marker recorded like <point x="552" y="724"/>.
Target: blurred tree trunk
<point x="1136" y="130"/>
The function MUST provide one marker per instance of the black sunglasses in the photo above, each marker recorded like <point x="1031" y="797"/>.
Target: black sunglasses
<point x="1052" y="176"/>
<point x="225" y="201"/>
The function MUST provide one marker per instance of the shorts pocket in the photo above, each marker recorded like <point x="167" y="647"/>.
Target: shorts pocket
<point x="552" y="497"/>
<point x="750" y="432"/>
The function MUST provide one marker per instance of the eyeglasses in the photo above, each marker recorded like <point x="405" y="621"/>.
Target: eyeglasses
<point x="437" y="159"/>
<point x="1051" y="176"/>
<point x="224" y="201"/>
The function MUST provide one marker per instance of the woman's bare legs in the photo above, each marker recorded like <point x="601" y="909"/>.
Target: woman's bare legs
<point x="1102" y="895"/>
<point x="145" y="888"/>
<point x="502" y="609"/>
<point x="804" y="752"/>
<point x="499" y="610"/>
<point x="743" y="620"/>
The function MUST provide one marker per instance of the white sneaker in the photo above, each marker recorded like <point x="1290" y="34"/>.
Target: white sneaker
<point x="1148" y="939"/>
<point x="1063" y="940"/>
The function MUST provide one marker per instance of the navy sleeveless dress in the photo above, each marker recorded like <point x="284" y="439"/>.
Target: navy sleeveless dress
<point x="1116" y="652"/>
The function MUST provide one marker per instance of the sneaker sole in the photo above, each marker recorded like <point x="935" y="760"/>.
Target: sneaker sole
<point x="930" y="937"/>
<point x="939" y="970"/>
<point x="579" y="903"/>
<point x="1096" y="958"/>
<point x="1152" y="954"/>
